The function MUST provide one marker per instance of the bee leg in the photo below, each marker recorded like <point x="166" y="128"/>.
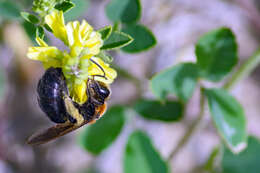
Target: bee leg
<point x="87" y="110"/>
<point x="92" y="122"/>
<point x="71" y="119"/>
<point x="72" y="111"/>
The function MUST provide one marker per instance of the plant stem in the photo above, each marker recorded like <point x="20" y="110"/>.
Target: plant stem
<point x="192" y="128"/>
<point x="117" y="26"/>
<point x="244" y="70"/>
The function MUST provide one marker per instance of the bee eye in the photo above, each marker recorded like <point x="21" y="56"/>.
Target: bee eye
<point x="104" y="92"/>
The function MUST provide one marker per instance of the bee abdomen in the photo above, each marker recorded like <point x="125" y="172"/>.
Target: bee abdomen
<point x="51" y="89"/>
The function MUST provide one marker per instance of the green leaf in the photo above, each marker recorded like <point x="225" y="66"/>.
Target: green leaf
<point x="80" y="8"/>
<point x="40" y="32"/>
<point x="47" y="28"/>
<point x="106" y="58"/>
<point x="30" y="30"/>
<point x="229" y="118"/>
<point x="126" y="11"/>
<point x="143" y="38"/>
<point x="9" y="10"/>
<point x="216" y="53"/>
<point x="141" y="156"/>
<point x="104" y="132"/>
<point x="179" y="80"/>
<point x="64" y="6"/>
<point x="117" y="40"/>
<point x="29" y="17"/>
<point x="155" y="110"/>
<point x="105" y="32"/>
<point x="245" y="162"/>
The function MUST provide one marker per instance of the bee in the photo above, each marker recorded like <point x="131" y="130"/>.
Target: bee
<point x="55" y="102"/>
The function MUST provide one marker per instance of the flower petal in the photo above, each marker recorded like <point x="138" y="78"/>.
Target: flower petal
<point x="55" y="20"/>
<point x="41" y="42"/>
<point x="51" y="63"/>
<point x="82" y="37"/>
<point x="78" y="92"/>
<point x="94" y="70"/>
<point x="43" y="53"/>
<point x="93" y="42"/>
<point x="85" y="30"/>
<point x="50" y="56"/>
<point x="74" y="38"/>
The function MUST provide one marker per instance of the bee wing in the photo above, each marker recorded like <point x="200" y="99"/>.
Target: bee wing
<point x="59" y="130"/>
<point x="51" y="133"/>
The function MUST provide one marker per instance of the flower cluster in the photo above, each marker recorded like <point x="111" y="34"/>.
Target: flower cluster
<point x="44" y="7"/>
<point x="81" y="62"/>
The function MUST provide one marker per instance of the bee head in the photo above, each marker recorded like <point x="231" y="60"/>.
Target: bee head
<point x="103" y="90"/>
<point x="97" y="92"/>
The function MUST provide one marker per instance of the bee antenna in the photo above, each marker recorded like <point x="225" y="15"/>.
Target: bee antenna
<point x="104" y="76"/>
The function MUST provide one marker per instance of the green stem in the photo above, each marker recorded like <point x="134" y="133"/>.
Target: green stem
<point x="210" y="164"/>
<point x="244" y="70"/>
<point x="117" y="26"/>
<point x="192" y="128"/>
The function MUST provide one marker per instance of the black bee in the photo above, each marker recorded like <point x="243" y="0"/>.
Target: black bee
<point x="54" y="100"/>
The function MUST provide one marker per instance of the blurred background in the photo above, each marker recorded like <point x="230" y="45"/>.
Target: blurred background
<point x="177" y="25"/>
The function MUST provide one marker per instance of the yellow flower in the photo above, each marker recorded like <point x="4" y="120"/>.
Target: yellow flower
<point x="79" y="63"/>
<point x="78" y="92"/>
<point x="81" y="37"/>
<point x="94" y="70"/>
<point x="49" y="55"/>
<point x="55" y="20"/>
<point x="77" y="36"/>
